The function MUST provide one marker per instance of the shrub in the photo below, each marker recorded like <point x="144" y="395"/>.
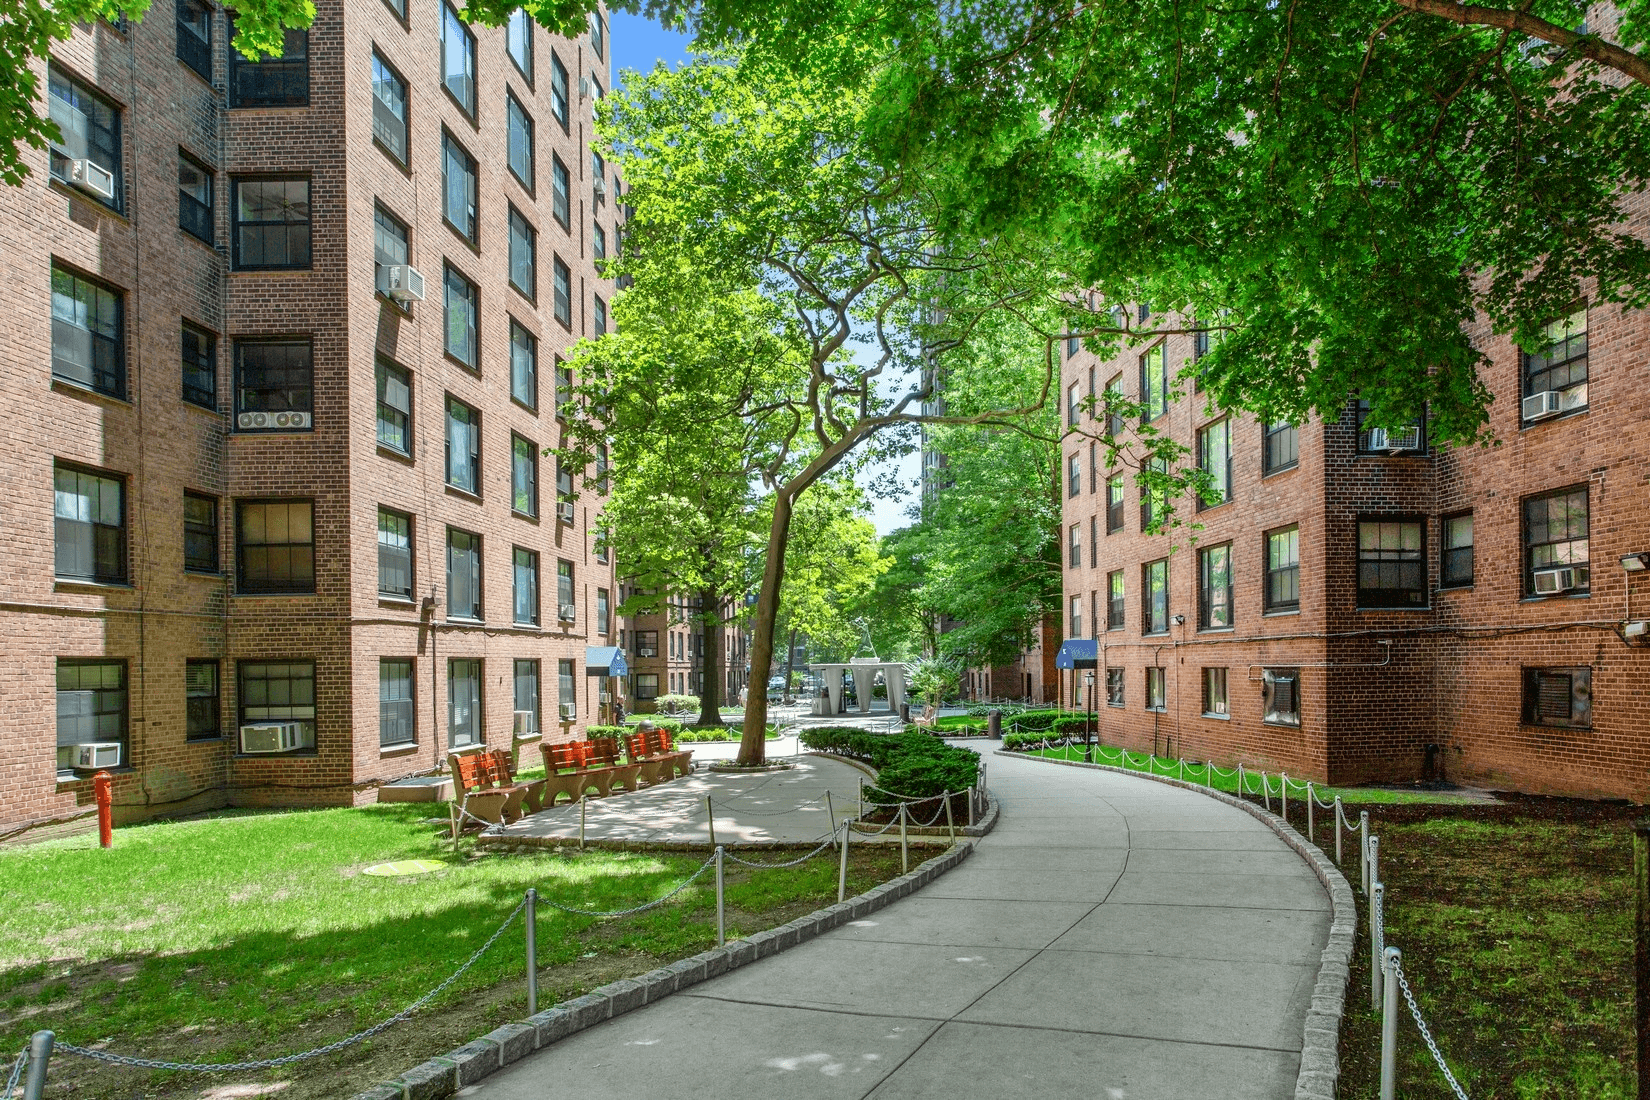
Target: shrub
<point x="1073" y="725"/>
<point x="1019" y="742"/>
<point x="1037" y="721"/>
<point x="677" y="704"/>
<point x="914" y="765"/>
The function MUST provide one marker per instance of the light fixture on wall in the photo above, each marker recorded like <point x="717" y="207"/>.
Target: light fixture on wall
<point x="1636" y="563"/>
<point x="1180" y="620"/>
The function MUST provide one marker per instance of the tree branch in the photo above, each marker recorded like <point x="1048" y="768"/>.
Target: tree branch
<point x="1589" y="46"/>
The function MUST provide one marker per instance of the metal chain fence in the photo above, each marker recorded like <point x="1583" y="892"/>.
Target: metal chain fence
<point x="1426" y="1032"/>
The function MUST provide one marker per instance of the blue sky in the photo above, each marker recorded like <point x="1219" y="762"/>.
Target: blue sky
<point x="640" y="43"/>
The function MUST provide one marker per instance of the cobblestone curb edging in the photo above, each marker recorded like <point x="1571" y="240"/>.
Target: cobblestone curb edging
<point x="441" y="1077"/>
<point x="1320" y="1050"/>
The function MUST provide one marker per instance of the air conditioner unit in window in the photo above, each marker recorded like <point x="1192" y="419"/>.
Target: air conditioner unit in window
<point x="564" y="511"/>
<point x="92" y="177"/>
<point x="599" y="186"/>
<point x="1394" y="440"/>
<point x="1552" y="582"/>
<point x="401" y="283"/>
<point x="584" y="87"/>
<point x="1539" y="406"/>
<point x="566" y="711"/>
<point x="268" y="737"/>
<point x="97" y="754"/>
<point x="275" y="421"/>
<point x="607" y="697"/>
<point x="526" y="724"/>
<point x="569" y="612"/>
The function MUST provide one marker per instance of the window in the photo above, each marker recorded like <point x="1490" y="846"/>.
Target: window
<point x="558" y="90"/>
<point x="518" y="42"/>
<point x="395" y="555"/>
<point x="604" y="621"/>
<point x="279" y="691"/>
<point x="389" y="244"/>
<point x="598" y="241"/>
<point x="399" y="7"/>
<point x="598" y="314"/>
<point x="389" y="109"/>
<point x="1076" y="554"/>
<point x="1560" y="366"/>
<point x="566" y="694"/>
<point x="598" y="167"/>
<point x="194" y="198"/>
<point x="1392" y="569"/>
<point x="1094" y="468"/>
<point x="524" y="366"/>
<point x="1114" y="687"/>
<point x="1114" y="503"/>
<point x="460" y="340"/>
<point x="272" y="218"/>
<point x="1154" y="385"/>
<point x="560" y="198"/>
<point x="526" y="587"/>
<point x="88" y="345"/>
<point x="1153" y="497"/>
<point x="458" y="188"/>
<point x="91" y="706"/>
<point x="647" y="643"/>
<point x="567" y="607"/>
<point x="524" y="270"/>
<point x="463" y="702"/>
<point x="520" y="140"/>
<point x="463" y="446"/>
<point x="200" y="366"/>
<point x="1074" y="476"/>
<point x="1154" y="603"/>
<point x="275" y="546"/>
<point x="1555" y="543"/>
<point x="1214" y="693"/>
<point x="394" y="407"/>
<point x="564" y="292"/>
<point x="564" y="392"/>
<point x="90" y="526"/>
<point x="90" y="126"/>
<point x="200" y="701"/>
<point x="195" y="36"/>
<point x="463" y="574"/>
<point x="1559" y="697"/>
<point x="1073" y="345"/>
<point x="1457" y="552"/>
<point x="596" y="34"/>
<point x="275" y="81"/>
<point x="1281" y="696"/>
<point x="1156" y="688"/>
<point x="1073" y="405"/>
<point x="1076" y="617"/>
<point x="1283" y="570"/>
<point x="200" y="533"/>
<point x="526" y="698"/>
<point x="644" y="686"/>
<point x="274" y="385"/>
<point x="604" y="539"/>
<point x="458" y="60"/>
<point x="1281" y="450"/>
<point x="1214" y="458"/>
<point x="1114" y="406"/>
<point x="397" y="717"/>
<point x="1094" y="540"/>
<point x="1410" y="439"/>
<point x="524" y="476"/>
<point x="1214" y="605"/>
<point x="1114" y="600"/>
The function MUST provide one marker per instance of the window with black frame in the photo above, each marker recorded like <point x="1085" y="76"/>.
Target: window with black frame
<point x="91" y="708"/>
<point x="194" y="19"/>
<point x="520" y="127"/>
<point x="524" y="268"/>
<point x="397" y="716"/>
<point x="1154" y="385"/>
<point x="1114" y="687"/>
<point x="1561" y="697"/>
<point x="518" y="42"/>
<point x="460" y="303"/>
<point x="526" y="587"/>
<point x="1074" y="475"/>
<point x="88" y="330"/>
<point x="1115" y="421"/>
<point x="200" y="533"/>
<point x="566" y="597"/>
<point x="1281" y="696"/>
<point x="560" y="193"/>
<point x="1114" y="503"/>
<point x="1076" y="617"/>
<point x="463" y="446"/>
<point x="1392" y="567"/>
<point x="559" y="103"/>
<point x="394" y="407"/>
<point x="272" y="81"/>
<point x="1407" y="439"/>
<point x="200" y="366"/>
<point x="272" y="224"/>
<point x="604" y="620"/>
<point x="390" y="246"/>
<point x="395" y="555"/>
<point x="1283" y="569"/>
<point x="1214" y="454"/>
<point x="1154" y="597"/>
<point x="598" y="35"/>
<point x="274" y="385"/>
<point x="458" y="188"/>
<point x="524" y="476"/>
<point x="598" y="314"/>
<point x="195" y="198"/>
<point x="458" y="60"/>
<point x="1280" y="446"/>
<point x="598" y="243"/>
<point x="1456" y="551"/>
<point x="647" y="643"/>
<point x="524" y="366"/>
<point x="526" y="693"/>
<point x="1555" y="543"/>
<point x="389" y="109"/>
<point x="1157" y="693"/>
<point x="464" y="713"/>
<point x="463" y="574"/>
<point x="1154" y="497"/>
<point x="202" y="720"/>
<point x="275" y="546"/>
<point x="90" y="129"/>
<point x="1556" y="373"/>
<point x="89" y="526"/>
<point x="1215" y="704"/>
<point x="1114" y="600"/>
<point x="1214" y="607"/>
<point x="563" y="304"/>
<point x="1075" y="557"/>
<point x="1073" y="405"/>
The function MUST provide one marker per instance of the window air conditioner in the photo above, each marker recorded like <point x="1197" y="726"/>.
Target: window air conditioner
<point x="564" y="511"/>
<point x="401" y="283"/>
<point x="599" y="185"/>
<point x="97" y="754"/>
<point x="584" y="87"/>
<point x="278" y="421"/>
<point x="526" y="724"/>
<point x="566" y="711"/>
<point x="1395" y="439"/>
<point x="1539" y="406"/>
<point x="1552" y="582"/>
<point x="92" y="177"/>
<point x="569" y="612"/>
<point x="268" y="737"/>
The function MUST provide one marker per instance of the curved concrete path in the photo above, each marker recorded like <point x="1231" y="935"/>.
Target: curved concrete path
<point x="1113" y="938"/>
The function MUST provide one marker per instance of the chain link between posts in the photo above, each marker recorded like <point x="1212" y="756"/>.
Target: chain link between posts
<point x="1426" y="1033"/>
<point x="16" y="1073"/>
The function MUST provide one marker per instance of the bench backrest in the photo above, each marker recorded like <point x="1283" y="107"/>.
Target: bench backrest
<point x="472" y="771"/>
<point x="499" y="767"/>
<point x="603" y="751"/>
<point x="636" y="745"/>
<point x="569" y="754"/>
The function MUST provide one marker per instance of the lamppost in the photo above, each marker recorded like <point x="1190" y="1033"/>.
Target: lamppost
<point x="1089" y="731"/>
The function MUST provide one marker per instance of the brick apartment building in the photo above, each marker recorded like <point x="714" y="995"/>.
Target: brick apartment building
<point x="255" y="478"/>
<point x="1030" y="677"/>
<point x="1366" y="606"/>
<point x="667" y="654"/>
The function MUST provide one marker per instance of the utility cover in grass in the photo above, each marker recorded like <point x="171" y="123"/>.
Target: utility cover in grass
<point x="404" y="867"/>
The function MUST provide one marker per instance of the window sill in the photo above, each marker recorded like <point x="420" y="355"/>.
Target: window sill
<point x="465" y="494"/>
<point x="245" y="595"/>
<point x="1154" y="633"/>
<point x="1217" y="630"/>
<point x="520" y="404"/>
<point x="210" y="739"/>
<point x="77" y="389"/>
<point x="204" y="575"/>
<point x="1280" y="725"/>
<point x="273" y="431"/>
<point x="406" y="603"/>
<point x="1368" y="610"/>
<point x="210" y="246"/>
<point x="395" y="160"/>
<point x="399" y="456"/>
<point x="1293" y="466"/>
<point x="462" y="620"/>
<point x="397" y="750"/>
<point x="1526" y="425"/>
<point x="61" y="584"/>
<point x="1216" y="717"/>
<point x="1281" y="612"/>
<point x="1566" y="596"/>
<point x="1527" y="724"/>
<point x="1205" y="509"/>
<point x="306" y="270"/>
<point x="90" y="200"/>
<point x="74" y="779"/>
<point x="403" y="311"/>
<point x="1464" y="586"/>
<point x="307" y="754"/>
<point x="206" y="410"/>
<point x="526" y="517"/>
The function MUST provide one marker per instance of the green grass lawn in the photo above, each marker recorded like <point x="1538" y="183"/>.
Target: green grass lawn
<point x="245" y="936"/>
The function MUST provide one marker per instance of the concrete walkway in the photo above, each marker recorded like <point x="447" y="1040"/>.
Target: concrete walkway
<point x="1114" y="938"/>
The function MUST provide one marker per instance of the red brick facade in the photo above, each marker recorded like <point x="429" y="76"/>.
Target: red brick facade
<point x="158" y="445"/>
<point x="1391" y="695"/>
<point x="667" y="655"/>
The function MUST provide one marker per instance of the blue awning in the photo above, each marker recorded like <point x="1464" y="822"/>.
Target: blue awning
<point x="604" y="660"/>
<point x="1078" y="653"/>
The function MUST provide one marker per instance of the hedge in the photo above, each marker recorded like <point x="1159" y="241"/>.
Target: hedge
<point x="911" y="765"/>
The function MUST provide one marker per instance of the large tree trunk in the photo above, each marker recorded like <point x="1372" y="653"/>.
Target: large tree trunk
<point x="790" y="661"/>
<point x="753" y="745"/>
<point x="710" y="654"/>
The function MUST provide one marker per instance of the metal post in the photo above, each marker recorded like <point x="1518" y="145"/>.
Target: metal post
<point x="1389" y="1026"/>
<point x="1377" y="944"/>
<point x="532" y="951"/>
<point x="1641" y="954"/>
<point x="1340" y="828"/>
<point x="1311" y="835"/>
<point x="1209" y="773"/>
<point x="40" y="1053"/>
<point x="1363" y="847"/>
<point x="583" y="802"/>
<point x="904" y="849"/>
<point x="1266" y="792"/>
<point x="710" y="820"/>
<point x="103" y="794"/>
<point x="949" y="823"/>
<point x="842" y="871"/>
<point x="1373" y="866"/>
<point x="1283" y="796"/>
<point x="832" y="812"/>
<point x="721" y="928"/>
<point x="861" y="812"/>
<point x="1241" y="791"/>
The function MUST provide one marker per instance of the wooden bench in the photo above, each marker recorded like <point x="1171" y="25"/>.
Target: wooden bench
<point x="568" y="770"/>
<point x="504" y="776"/>
<point x="653" y="748"/>
<point x="604" y="751"/>
<point x="483" y="785"/>
<point x="664" y="744"/>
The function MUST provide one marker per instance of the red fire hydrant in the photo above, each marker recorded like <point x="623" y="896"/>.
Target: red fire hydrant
<point x="102" y="790"/>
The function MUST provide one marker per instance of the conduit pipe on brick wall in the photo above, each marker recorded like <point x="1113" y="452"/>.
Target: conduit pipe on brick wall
<point x="1386" y="647"/>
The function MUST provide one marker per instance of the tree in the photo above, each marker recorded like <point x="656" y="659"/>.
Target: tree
<point x="833" y="560"/>
<point x="902" y="622"/>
